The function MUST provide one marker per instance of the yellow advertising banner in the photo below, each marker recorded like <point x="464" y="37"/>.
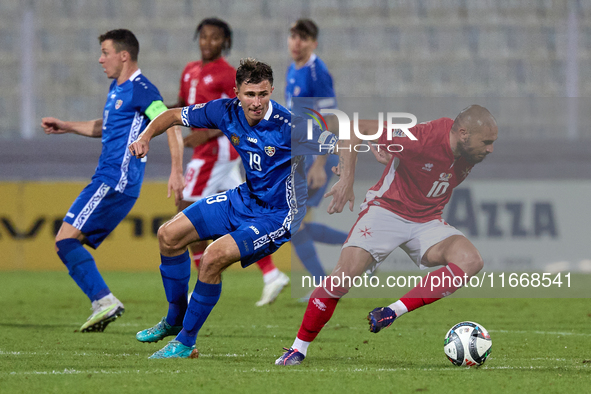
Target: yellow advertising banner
<point x="31" y="213"/>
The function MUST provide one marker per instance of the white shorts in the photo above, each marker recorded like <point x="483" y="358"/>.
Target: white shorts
<point x="379" y="232"/>
<point x="204" y="178"/>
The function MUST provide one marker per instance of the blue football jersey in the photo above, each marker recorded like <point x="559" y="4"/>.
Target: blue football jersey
<point x="311" y="80"/>
<point x="273" y="171"/>
<point x="129" y="108"/>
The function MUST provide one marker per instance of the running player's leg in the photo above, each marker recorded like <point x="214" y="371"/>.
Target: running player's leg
<point x="460" y="260"/>
<point x="238" y="238"/>
<point x="198" y="247"/>
<point x="80" y="263"/>
<point x="91" y="218"/>
<point x="353" y="261"/>
<point x="202" y="179"/>
<point x="360" y="253"/>
<point x="217" y="257"/>
<point x="175" y="268"/>
<point x="438" y="244"/>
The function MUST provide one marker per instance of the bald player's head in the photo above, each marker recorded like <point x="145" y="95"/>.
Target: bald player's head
<point x="475" y="130"/>
<point x="474" y="118"/>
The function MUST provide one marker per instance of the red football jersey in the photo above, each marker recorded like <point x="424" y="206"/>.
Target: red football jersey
<point x="418" y="182"/>
<point x="200" y="84"/>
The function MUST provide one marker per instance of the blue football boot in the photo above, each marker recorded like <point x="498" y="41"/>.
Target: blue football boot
<point x="158" y="332"/>
<point x="175" y="349"/>
<point x="290" y="357"/>
<point x="381" y="318"/>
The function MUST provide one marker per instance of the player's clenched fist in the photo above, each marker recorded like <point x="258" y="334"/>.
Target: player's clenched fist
<point x="140" y="147"/>
<point x="53" y="126"/>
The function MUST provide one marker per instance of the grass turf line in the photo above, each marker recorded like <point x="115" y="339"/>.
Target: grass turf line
<point x="539" y="345"/>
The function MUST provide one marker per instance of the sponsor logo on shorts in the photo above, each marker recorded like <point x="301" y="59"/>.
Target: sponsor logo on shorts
<point x="256" y="230"/>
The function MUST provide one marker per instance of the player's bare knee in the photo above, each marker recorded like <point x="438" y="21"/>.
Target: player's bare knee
<point x="212" y="262"/>
<point x="167" y="239"/>
<point x="472" y="264"/>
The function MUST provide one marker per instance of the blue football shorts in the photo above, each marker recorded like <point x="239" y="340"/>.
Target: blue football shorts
<point x="98" y="210"/>
<point x="258" y="229"/>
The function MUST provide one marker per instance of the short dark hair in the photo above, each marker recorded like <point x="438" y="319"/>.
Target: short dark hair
<point x="253" y="71"/>
<point x="123" y="40"/>
<point x="222" y="25"/>
<point x="305" y="28"/>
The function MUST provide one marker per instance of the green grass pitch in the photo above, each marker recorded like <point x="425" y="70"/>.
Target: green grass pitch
<point x="539" y="345"/>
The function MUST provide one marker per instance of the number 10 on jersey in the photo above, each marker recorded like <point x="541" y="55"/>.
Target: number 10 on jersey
<point x="438" y="189"/>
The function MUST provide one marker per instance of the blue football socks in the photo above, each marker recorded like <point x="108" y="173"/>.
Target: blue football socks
<point x="304" y="247"/>
<point x="176" y="272"/>
<point x="203" y="299"/>
<point x="326" y="235"/>
<point x="82" y="268"/>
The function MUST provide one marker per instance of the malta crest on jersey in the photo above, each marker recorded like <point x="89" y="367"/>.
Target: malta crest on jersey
<point x="270" y="150"/>
<point x="118" y="104"/>
<point x="235" y="139"/>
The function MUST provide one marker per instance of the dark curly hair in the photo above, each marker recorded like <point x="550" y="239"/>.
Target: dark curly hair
<point x="222" y="25"/>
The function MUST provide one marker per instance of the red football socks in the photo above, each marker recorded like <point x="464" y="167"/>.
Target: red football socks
<point x="434" y="286"/>
<point x="266" y="264"/>
<point x="320" y="308"/>
<point x="197" y="258"/>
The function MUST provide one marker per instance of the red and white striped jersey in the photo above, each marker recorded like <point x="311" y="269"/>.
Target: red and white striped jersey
<point x="200" y="84"/>
<point x="418" y="182"/>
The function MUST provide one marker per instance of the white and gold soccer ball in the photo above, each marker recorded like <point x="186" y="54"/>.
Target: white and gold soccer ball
<point x="467" y="344"/>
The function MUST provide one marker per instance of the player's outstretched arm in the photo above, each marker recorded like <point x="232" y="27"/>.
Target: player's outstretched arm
<point x="172" y="117"/>
<point x="89" y="128"/>
<point x="176" y="181"/>
<point x="342" y="191"/>
<point x="198" y="137"/>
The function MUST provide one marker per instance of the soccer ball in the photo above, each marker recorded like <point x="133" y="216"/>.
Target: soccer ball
<point x="467" y="344"/>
